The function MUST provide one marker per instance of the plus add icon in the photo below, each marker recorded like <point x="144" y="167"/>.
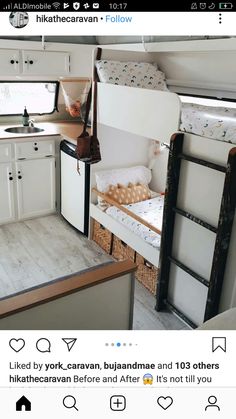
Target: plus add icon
<point x="117" y="403"/>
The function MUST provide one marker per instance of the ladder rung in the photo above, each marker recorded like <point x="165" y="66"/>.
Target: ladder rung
<point x="175" y="310"/>
<point x="189" y="271"/>
<point x="205" y="163"/>
<point x="195" y="219"/>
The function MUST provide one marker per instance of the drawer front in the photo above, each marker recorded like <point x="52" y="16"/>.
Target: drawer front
<point x="5" y="152"/>
<point x="34" y="149"/>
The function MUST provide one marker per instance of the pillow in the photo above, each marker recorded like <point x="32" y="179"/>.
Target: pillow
<point x="129" y="194"/>
<point x="135" y="174"/>
<point x="134" y="74"/>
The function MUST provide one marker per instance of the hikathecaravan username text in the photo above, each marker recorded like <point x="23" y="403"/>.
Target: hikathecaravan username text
<point x="83" y="19"/>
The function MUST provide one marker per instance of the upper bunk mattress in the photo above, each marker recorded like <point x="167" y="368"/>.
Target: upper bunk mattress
<point x="209" y="121"/>
<point x="150" y="210"/>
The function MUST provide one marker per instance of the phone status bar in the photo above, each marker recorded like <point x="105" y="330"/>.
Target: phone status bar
<point x="101" y="6"/>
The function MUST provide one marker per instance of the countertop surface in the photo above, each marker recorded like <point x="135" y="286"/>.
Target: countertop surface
<point x="69" y="130"/>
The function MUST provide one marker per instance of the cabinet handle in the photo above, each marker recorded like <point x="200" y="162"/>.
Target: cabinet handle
<point x="35" y="148"/>
<point x="19" y="177"/>
<point x="17" y="62"/>
<point x="10" y="178"/>
<point x="12" y="61"/>
<point x="31" y="62"/>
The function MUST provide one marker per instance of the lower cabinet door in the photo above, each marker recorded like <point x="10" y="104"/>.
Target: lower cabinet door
<point x="35" y="187"/>
<point x="7" y="205"/>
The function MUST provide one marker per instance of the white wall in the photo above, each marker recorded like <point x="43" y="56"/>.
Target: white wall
<point x="120" y="149"/>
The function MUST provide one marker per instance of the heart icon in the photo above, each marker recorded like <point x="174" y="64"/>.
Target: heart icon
<point x="17" y="344"/>
<point x="165" y="402"/>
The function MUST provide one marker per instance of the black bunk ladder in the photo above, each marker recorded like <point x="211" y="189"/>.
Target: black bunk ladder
<point x="223" y="230"/>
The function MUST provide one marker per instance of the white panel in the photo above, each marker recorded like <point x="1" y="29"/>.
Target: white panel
<point x="72" y="191"/>
<point x="211" y="70"/>
<point x="148" y="113"/>
<point x="106" y="306"/>
<point x="36" y="187"/>
<point x="187" y="294"/>
<point x="45" y="62"/>
<point x="34" y="149"/>
<point x="7" y="207"/>
<point x="10" y="62"/>
<point x="5" y="152"/>
<point x="200" y="191"/>
<point x="193" y="245"/>
<point x="207" y="148"/>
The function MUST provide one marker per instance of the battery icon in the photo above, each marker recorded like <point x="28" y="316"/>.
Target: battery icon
<point x="226" y="6"/>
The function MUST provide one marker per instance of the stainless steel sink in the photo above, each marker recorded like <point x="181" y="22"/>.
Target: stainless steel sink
<point x="24" y="130"/>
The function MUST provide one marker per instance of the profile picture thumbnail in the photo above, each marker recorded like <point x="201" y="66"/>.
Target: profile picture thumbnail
<point x="19" y="19"/>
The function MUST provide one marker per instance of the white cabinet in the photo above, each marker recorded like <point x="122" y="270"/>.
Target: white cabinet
<point x="7" y="207"/>
<point x="34" y="149"/>
<point x="10" y="62"/>
<point x="45" y="62"/>
<point x="27" y="183"/>
<point x="34" y="63"/>
<point x="35" y="187"/>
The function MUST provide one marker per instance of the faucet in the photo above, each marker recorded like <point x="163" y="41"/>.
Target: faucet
<point x="31" y="122"/>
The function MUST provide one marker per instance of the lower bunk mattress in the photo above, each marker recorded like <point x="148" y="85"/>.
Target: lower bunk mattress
<point x="150" y="210"/>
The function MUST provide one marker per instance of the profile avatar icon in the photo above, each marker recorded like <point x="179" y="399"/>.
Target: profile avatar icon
<point x="19" y="19"/>
<point x="212" y="400"/>
<point x="147" y="379"/>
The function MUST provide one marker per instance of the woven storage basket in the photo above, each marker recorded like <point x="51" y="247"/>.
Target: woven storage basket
<point x="147" y="274"/>
<point x="102" y="236"/>
<point x="121" y="250"/>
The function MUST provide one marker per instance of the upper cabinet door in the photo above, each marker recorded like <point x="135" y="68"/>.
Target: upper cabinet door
<point x="10" y="62"/>
<point x="46" y="63"/>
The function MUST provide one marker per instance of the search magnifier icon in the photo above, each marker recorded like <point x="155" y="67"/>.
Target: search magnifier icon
<point x="70" y="402"/>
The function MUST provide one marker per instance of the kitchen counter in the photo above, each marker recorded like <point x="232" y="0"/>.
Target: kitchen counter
<point x="69" y="130"/>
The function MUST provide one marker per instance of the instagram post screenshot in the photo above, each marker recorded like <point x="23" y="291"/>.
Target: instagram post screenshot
<point x="117" y="210"/>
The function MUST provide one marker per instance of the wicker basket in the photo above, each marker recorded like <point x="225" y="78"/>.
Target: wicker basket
<point x="121" y="250"/>
<point x="147" y="274"/>
<point x="102" y="237"/>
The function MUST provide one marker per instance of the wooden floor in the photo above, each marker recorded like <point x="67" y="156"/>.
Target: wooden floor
<point x="36" y="251"/>
<point x="147" y="318"/>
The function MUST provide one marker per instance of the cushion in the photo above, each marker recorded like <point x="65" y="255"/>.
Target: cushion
<point x="129" y="194"/>
<point x="134" y="74"/>
<point x="135" y="174"/>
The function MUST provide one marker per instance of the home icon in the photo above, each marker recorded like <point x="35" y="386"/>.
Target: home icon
<point x="23" y="404"/>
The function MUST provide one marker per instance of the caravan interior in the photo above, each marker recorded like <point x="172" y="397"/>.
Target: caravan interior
<point x="146" y="237"/>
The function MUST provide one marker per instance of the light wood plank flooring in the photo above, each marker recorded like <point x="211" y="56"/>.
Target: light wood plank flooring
<point x="147" y="318"/>
<point x="36" y="251"/>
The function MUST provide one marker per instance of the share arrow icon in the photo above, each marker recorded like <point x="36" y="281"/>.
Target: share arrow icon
<point x="69" y="342"/>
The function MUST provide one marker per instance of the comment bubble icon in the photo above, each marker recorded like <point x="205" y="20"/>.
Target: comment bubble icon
<point x="43" y="345"/>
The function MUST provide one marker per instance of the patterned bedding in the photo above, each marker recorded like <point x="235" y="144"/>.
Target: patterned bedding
<point x="209" y="121"/>
<point x="150" y="210"/>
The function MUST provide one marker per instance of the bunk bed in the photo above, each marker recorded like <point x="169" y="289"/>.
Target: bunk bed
<point x="208" y="136"/>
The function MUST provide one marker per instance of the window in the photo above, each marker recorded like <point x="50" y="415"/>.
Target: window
<point x="207" y="101"/>
<point x="38" y="97"/>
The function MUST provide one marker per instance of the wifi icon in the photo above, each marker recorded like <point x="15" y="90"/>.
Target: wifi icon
<point x="56" y="5"/>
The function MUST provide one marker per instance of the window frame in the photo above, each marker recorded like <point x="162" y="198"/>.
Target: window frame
<point x="55" y="105"/>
